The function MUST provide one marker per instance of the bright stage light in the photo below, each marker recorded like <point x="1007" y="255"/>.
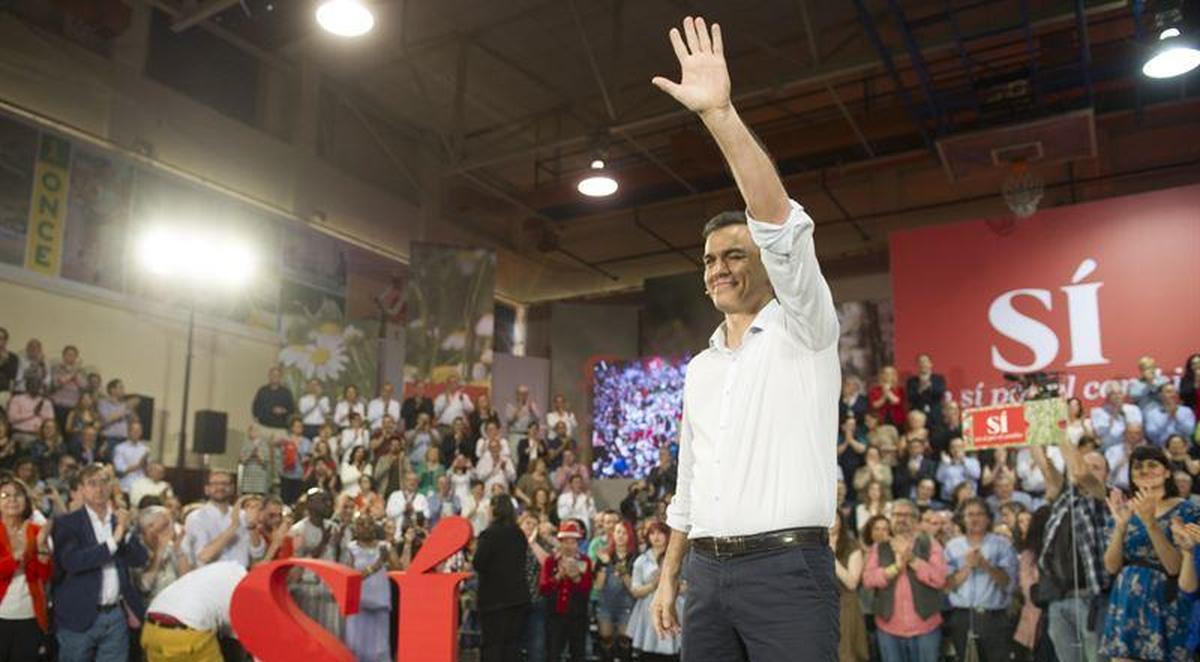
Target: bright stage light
<point x="1174" y="55"/>
<point x="200" y="258"/>
<point x="599" y="184"/>
<point x="345" y="18"/>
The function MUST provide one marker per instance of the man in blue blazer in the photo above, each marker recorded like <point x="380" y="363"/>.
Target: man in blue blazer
<point x="94" y="597"/>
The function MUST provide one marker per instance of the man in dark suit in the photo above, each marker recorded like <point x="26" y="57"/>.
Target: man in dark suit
<point x="95" y="600"/>
<point x="416" y="403"/>
<point x="926" y="391"/>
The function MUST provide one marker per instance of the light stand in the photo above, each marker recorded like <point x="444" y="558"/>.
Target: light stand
<point x="180" y="460"/>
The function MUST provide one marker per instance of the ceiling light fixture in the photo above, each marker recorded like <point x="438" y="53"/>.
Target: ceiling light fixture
<point x="599" y="183"/>
<point x="345" y="18"/>
<point x="1174" y="55"/>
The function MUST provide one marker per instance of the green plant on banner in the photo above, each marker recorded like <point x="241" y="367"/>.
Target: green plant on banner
<point x="451" y="323"/>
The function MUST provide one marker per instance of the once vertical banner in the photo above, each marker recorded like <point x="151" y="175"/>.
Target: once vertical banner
<point x="450" y="321"/>
<point x="48" y="208"/>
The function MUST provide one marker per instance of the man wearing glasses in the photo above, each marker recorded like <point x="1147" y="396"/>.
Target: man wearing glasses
<point x="908" y="573"/>
<point x="93" y="552"/>
<point x="221" y="530"/>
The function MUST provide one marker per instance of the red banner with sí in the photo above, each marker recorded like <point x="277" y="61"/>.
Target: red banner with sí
<point x="1082" y="290"/>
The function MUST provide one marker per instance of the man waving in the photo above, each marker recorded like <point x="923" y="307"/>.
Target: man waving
<point x="757" y="466"/>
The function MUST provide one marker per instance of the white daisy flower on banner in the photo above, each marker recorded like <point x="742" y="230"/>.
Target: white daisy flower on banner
<point x="486" y="325"/>
<point x="455" y="341"/>
<point x="325" y="359"/>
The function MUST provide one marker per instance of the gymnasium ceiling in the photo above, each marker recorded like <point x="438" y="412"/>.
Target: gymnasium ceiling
<point x="507" y="103"/>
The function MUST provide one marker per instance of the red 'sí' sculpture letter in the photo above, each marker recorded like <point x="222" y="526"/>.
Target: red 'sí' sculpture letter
<point x="429" y="600"/>
<point x="274" y="629"/>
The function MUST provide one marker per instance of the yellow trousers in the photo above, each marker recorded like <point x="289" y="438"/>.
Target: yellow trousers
<point x="172" y="645"/>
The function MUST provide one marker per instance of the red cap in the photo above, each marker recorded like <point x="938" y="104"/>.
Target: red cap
<point x="570" y="529"/>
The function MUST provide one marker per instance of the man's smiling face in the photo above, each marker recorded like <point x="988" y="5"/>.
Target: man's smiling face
<point x="733" y="271"/>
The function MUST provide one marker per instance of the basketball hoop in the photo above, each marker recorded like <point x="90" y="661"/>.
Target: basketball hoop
<point x="1022" y="190"/>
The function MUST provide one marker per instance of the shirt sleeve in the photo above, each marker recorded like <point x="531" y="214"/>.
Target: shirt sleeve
<point x="679" y="512"/>
<point x="873" y="575"/>
<point x="790" y="257"/>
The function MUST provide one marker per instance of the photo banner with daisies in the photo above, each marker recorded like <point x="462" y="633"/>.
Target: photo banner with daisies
<point x="450" y="325"/>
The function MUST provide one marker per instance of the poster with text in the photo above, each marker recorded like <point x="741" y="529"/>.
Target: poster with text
<point x="1081" y="291"/>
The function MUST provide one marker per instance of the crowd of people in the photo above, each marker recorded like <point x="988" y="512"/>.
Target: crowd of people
<point x="101" y="560"/>
<point x="1079" y="551"/>
<point x="1084" y="550"/>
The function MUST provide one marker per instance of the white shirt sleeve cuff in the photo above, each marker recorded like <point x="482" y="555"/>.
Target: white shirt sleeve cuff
<point x="779" y="237"/>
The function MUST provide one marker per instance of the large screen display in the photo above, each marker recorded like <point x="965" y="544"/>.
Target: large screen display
<point x="636" y="409"/>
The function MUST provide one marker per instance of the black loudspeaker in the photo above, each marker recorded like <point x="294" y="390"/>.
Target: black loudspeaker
<point x="208" y="433"/>
<point x="145" y="415"/>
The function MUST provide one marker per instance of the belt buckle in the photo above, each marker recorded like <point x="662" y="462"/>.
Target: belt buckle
<point x="728" y="542"/>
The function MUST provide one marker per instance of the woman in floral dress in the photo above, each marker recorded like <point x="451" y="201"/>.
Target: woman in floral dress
<point x="1146" y="618"/>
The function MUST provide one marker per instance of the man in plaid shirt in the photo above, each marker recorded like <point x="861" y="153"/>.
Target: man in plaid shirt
<point x="1071" y="561"/>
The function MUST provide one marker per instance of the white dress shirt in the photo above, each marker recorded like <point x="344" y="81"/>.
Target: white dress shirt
<point x="102" y="526"/>
<point x="127" y="455"/>
<point x="759" y="422"/>
<point x="449" y="406"/>
<point x="377" y="409"/>
<point x="314" y="410"/>
<point x="201" y="598"/>
<point x="1030" y="474"/>
<point x="398" y="503"/>
<point x="567" y="417"/>
<point x="207" y="522"/>
<point x="1110" y="424"/>
<point x="577" y="506"/>
<point x="493" y="472"/>
<point x="341" y="413"/>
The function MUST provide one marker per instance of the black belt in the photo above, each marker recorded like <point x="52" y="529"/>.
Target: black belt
<point x="104" y="608"/>
<point x="725" y="547"/>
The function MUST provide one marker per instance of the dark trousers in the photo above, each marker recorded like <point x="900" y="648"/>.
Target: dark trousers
<point x="762" y="607"/>
<point x="19" y="640"/>
<point x="563" y="631"/>
<point x="502" y="631"/>
<point x="993" y="631"/>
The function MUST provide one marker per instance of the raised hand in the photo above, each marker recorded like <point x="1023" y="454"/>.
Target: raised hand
<point x="1118" y="507"/>
<point x="1183" y="538"/>
<point x="1145" y="507"/>
<point x="44" y="534"/>
<point x="704" y="81"/>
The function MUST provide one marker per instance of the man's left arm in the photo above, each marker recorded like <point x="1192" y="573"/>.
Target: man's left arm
<point x="133" y="551"/>
<point x="779" y="226"/>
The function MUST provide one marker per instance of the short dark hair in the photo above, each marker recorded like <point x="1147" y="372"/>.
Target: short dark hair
<point x="1155" y="454"/>
<point x="724" y="219"/>
<point x="112" y="383"/>
<point x="502" y="510"/>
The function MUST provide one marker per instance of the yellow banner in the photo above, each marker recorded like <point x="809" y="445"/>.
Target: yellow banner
<point x="48" y="208"/>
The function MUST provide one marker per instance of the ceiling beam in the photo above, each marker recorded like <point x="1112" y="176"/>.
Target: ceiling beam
<point x="201" y="14"/>
<point x="806" y="77"/>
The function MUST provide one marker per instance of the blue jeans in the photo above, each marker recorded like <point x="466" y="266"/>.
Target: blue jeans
<point x="535" y="631"/>
<point x="1068" y="627"/>
<point x="106" y="641"/>
<point x="925" y="648"/>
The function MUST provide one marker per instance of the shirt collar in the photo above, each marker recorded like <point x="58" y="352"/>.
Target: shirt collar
<point x="768" y="313"/>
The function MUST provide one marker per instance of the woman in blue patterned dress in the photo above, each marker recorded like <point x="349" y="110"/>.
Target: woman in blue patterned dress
<point x="1146" y="618"/>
